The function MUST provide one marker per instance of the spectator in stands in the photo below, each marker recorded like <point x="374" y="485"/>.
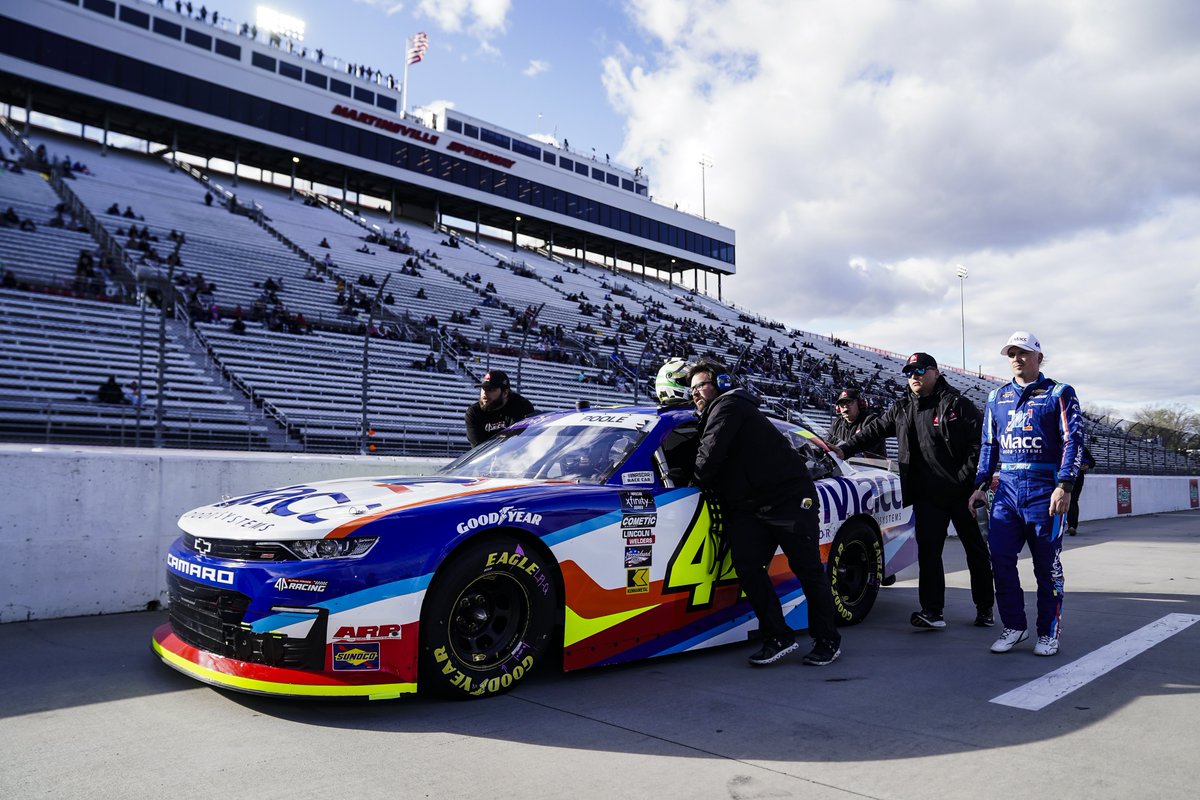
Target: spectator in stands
<point x="937" y="430"/>
<point x="128" y="213"/>
<point x="208" y="198"/>
<point x="852" y="415"/>
<point x="1087" y="463"/>
<point x="420" y="295"/>
<point x="134" y="396"/>
<point x="110" y="392"/>
<point x="324" y="242"/>
<point x="497" y="408"/>
<point x="238" y="326"/>
<point x="115" y="210"/>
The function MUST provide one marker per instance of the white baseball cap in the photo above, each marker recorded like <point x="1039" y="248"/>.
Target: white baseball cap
<point x="1024" y="340"/>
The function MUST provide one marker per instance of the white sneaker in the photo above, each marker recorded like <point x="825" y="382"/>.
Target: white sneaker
<point x="1046" y="646"/>
<point x="1010" y="639"/>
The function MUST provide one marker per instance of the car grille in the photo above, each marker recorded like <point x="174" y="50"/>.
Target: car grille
<point x="235" y="550"/>
<point x="211" y="619"/>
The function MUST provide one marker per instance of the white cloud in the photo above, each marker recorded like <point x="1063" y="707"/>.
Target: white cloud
<point x="388" y="7"/>
<point x="861" y="150"/>
<point x="536" y="67"/>
<point x="479" y="18"/>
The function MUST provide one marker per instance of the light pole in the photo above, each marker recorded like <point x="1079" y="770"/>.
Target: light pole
<point x="705" y="163"/>
<point x="962" y="307"/>
<point x="292" y="191"/>
<point x="516" y="225"/>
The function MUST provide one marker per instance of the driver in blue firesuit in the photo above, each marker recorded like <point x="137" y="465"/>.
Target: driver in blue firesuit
<point x="1033" y="433"/>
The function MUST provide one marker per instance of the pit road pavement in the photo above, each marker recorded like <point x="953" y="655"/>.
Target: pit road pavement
<point x="87" y="711"/>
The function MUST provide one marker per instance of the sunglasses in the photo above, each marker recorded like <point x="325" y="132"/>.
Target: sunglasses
<point x="918" y="371"/>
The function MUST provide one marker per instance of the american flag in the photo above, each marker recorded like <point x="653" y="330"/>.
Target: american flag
<point x="417" y="45"/>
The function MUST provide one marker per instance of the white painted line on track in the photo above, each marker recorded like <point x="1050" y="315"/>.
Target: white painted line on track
<point x="1038" y="694"/>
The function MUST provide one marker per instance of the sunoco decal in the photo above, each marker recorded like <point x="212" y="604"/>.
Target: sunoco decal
<point x="355" y="656"/>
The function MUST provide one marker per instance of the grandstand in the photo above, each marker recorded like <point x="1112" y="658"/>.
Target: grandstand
<point x="260" y="316"/>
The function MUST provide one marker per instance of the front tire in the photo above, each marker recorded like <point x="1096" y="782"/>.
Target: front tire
<point x="855" y="571"/>
<point x="488" y="619"/>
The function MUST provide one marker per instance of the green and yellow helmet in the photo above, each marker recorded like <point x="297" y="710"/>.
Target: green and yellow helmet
<point x="670" y="385"/>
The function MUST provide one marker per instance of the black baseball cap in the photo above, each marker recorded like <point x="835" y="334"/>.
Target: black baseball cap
<point x="494" y="379"/>
<point x="919" y="360"/>
<point x="847" y="396"/>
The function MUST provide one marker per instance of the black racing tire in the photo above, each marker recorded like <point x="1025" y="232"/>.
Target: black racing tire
<point x="855" y="571"/>
<point x="488" y="619"/>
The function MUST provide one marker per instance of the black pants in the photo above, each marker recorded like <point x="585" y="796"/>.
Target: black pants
<point x="752" y="540"/>
<point x="932" y="518"/>
<point x="1073" y="511"/>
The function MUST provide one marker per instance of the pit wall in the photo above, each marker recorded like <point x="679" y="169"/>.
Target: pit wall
<point x="85" y="530"/>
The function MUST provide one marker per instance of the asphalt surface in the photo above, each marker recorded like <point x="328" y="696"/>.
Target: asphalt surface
<point x="87" y="711"/>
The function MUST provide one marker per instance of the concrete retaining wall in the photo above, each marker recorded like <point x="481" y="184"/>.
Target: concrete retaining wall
<point x="85" y="530"/>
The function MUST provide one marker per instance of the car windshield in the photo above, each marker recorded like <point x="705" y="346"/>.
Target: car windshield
<point x="585" y="453"/>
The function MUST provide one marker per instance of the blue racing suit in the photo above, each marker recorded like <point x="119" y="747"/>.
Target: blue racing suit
<point x="1034" y="435"/>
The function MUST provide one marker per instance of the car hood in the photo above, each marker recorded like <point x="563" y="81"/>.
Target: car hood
<point x="332" y="509"/>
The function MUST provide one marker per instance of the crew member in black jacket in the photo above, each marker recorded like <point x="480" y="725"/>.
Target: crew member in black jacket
<point x="937" y="430"/>
<point x="851" y="416"/>
<point x="497" y="408"/>
<point x="768" y="501"/>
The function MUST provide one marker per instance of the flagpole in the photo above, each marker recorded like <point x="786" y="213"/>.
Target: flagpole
<point x="404" y="86"/>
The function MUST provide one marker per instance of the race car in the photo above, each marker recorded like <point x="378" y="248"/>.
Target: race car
<point x="572" y="537"/>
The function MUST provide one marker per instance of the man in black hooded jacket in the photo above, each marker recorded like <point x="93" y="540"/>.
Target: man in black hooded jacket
<point x="768" y="501"/>
<point x="937" y="430"/>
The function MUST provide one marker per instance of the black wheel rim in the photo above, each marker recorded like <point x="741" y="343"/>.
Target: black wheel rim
<point x="854" y="567"/>
<point x="488" y="621"/>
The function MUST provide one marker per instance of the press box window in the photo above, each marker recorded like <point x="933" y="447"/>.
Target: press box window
<point x="340" y="87"/>
<point x="228" y="50"/>
<point x="134" y="17"/>
<point x="289" y="70"/>
<point x="383" y="101"/>
<point x="197" y="39"/>
<point x="169" y="29"/>
<point x="106" y="7"/>
<point x="316" y="79"/>
<point x="262" y="61"/>
<point x="454" y="125"/>
<point x="364" y="95"/>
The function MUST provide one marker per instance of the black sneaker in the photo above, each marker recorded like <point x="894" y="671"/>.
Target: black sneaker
<point x="825" y="651"/>
<point x="984" y="619"/>
<point x="929" y="620"/>
<point x="773" y="649"/>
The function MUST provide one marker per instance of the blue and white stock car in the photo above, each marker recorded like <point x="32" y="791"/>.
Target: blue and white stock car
<point x="574" y="535"/>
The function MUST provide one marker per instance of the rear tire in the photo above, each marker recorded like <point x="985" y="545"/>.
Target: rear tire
<point x="488" y="619"/>
<point x="855" y="571"/>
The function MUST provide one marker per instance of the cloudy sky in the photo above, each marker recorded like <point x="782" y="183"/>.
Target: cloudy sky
<point x="862" y="150"/>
